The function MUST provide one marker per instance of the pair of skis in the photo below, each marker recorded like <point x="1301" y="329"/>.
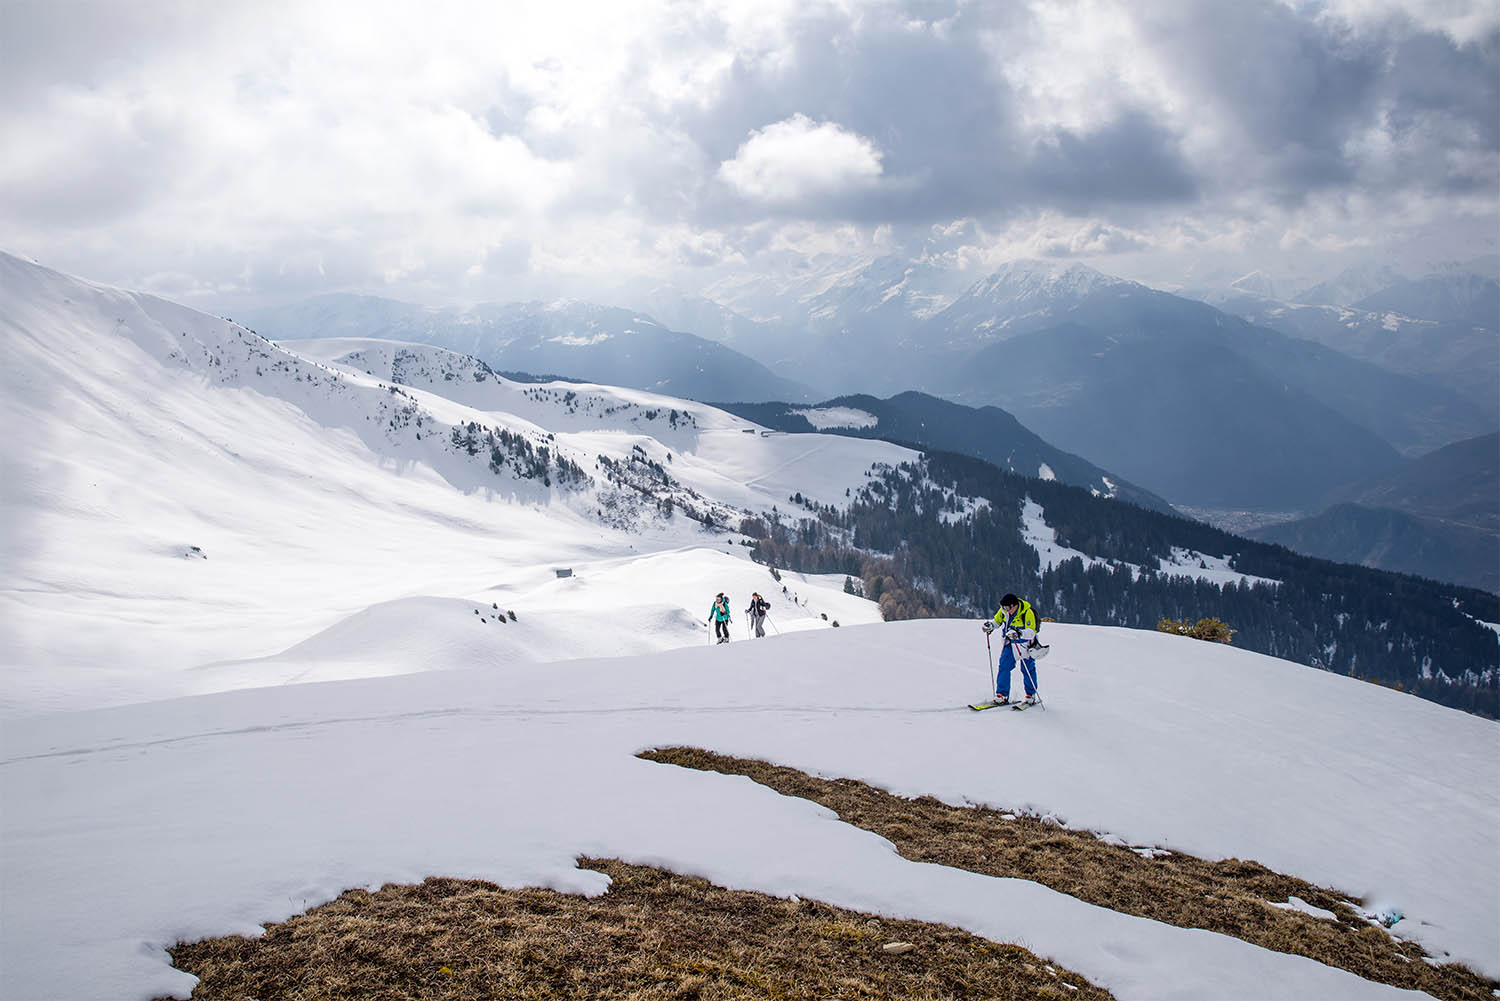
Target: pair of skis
<point x="1017" y="706"/>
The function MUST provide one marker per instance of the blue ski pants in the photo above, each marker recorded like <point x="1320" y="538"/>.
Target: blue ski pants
<point x="1007" y="665"/>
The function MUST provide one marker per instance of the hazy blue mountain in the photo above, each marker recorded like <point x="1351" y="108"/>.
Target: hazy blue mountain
<point x="570" y="338"/>
<point x="987" y="433"/>
<point x="1437" y="516"/>
<point x="1459" y="483"/>
<point x="1392" y="540"/>
<point x="1192" y="417"/>
<point x="855" y="322"/>
<point x="1203" y="407"/>
<point x="776" y="345"/>
<point x="1349" y="286"/>
<point x="1455" y="297"/>
<point x="1256" y="283"/>
<point x="1464" y="359"/>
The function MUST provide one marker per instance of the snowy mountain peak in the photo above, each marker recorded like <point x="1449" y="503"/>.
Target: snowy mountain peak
<point x="1256" y="283"/>
<point x="1350" y="285"/>
<point x="1034" y="279"/>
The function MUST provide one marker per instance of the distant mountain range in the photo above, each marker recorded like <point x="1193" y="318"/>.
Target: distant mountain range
<point x="571" y="338"/>
<point x="1247" y="402"/>
<point x="1260" y="404"/>
<point x="1443" y="328"/>
<point x="1391" y="540"/>
<point x="1458" y="298"/>
<point x="1437" y="516"/>
<point x="1200" y="406"/>
<point x="1344" y="289"/>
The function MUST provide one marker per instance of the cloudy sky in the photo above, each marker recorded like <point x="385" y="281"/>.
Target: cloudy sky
<point x="252" y="152"/>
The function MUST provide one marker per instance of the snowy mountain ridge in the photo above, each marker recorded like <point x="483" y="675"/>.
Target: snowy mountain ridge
<point x="1029" y="279"/>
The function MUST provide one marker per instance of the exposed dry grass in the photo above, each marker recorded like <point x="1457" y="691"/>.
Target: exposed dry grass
<point x="1229" y="896"/>
<point x="654" y="935"/>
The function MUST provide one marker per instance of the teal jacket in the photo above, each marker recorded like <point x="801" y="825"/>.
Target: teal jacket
<point x="720" y="611"/>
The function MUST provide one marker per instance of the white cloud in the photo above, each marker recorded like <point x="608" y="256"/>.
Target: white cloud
<point x="797" y="159"/>
<point x="1465" y="21"/>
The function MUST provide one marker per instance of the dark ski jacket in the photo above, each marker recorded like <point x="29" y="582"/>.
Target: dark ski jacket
<point x="758" y="606"/>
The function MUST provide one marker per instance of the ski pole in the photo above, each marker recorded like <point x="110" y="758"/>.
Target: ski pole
<point x="1029" y="675"/>
<point x="991" y="654"/>
<point x="773" y="625"/>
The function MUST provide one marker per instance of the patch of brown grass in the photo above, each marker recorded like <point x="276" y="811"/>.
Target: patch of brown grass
<point x="1229" y="896"/>
<point x="654" y="935"/>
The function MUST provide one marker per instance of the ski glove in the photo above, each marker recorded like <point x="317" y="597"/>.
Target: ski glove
<point x="1012" y="634"/>
<point x="989" y="627"/>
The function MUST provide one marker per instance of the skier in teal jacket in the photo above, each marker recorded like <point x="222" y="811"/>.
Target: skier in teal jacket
<point x="1017" y="624"/>
<point x="719" y="616"/>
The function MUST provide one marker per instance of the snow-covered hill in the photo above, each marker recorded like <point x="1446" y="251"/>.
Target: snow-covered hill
<point x="490" y="597"/>
<point x="180" y="491"/>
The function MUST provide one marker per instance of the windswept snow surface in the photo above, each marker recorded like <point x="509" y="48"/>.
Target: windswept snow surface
<point x="128" y="829"/>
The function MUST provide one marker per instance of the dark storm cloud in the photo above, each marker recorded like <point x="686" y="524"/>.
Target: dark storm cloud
<point x="1274" y="105"/>
<point x="1443" y="101"/>
<point x="1298" y="100"/>
<point x="949" y="125"/>
<point x="1130" y="160"/>
<point x="1434" y="76"/>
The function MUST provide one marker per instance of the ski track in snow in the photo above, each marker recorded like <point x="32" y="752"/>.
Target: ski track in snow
<point x="513" y="712"/>
<point x="802" y="457"/>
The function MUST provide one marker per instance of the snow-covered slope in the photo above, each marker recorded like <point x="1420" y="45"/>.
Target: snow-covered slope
<point x="180" y="491"/>
<point x="128" y="829"/>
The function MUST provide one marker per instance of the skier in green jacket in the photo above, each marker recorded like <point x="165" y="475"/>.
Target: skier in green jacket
<point x="1017" y="624"/>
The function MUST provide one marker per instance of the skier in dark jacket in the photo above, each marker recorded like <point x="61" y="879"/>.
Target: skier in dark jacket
<point x="757" y="612"/>
<point x="1017" y="624"/>
<point x="719" y="616"/>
